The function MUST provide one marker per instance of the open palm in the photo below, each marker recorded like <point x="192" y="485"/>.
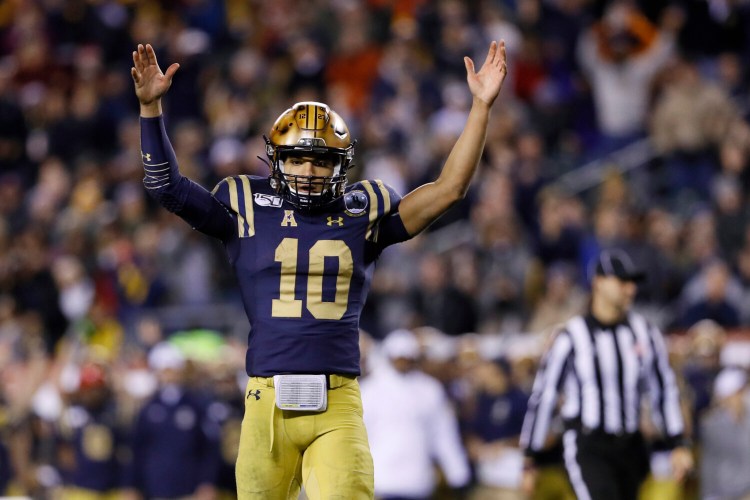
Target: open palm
<point x="487" y="82"/>
<point x="150" y="83"/>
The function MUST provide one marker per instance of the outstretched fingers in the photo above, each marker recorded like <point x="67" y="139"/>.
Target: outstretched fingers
<point x="137" y="61"/>
<point x="151" y="55"/>
<point x="469" y="65"/>
<point x="501" y="58"/>
<point x="492" y="53"/>
<point x="171" y="70"/>
<point x="495" y="59"/>
<point x="142" y="58"/>
<point x="487" y="82"/>
<point x="136" y="75"/>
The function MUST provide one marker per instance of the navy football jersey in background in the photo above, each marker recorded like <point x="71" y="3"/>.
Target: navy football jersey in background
<point x="304" y="276"/>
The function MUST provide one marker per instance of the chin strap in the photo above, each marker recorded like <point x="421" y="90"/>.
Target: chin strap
<point x="264" y="160"/>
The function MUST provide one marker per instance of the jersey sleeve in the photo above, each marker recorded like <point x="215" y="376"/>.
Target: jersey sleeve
<point x="236" y="195"/>
<point x="178" y="194"/>
<point x="544" y="394"/>
<point x="385" y="226"/>
<point x="664" y="390"/>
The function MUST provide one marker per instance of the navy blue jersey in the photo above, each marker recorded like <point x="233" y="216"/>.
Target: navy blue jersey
<point x="499" y="416"/>
<point x="175" y="445"/>
<point x="97" y="442"/>
<point x="228" y="414"/>
<point x="304" y="276"/>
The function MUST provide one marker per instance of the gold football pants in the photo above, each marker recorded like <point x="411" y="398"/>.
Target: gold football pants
<point x="282" y="450"/>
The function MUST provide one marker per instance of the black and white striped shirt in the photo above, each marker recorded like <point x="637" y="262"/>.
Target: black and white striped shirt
<point x="603" y="373"/>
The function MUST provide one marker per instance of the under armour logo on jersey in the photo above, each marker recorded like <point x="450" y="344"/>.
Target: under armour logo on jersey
<point x="338" y="221"/>
<point x="255" y="394"/>
<point x="146" y="156"/>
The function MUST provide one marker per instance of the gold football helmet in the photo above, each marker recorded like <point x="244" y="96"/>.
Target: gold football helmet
<point x="310" y="128"/>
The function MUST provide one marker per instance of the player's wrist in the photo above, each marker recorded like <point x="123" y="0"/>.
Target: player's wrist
<point x="481" y="104"/>
<point x="152" y="109"/>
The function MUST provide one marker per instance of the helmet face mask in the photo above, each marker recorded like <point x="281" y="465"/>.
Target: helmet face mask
<point x="312" y="131"/>
<point x="306" y="190"/>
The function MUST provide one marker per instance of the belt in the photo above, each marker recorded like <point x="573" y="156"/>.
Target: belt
<point x="333" y="380"/>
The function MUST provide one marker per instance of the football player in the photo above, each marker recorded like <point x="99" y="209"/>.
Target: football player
<point x="303" y="244"/>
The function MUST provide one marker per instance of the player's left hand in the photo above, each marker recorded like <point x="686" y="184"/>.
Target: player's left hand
<point x="485" y="84"/>
<point x="150" y="83"/>
<point x="682" y="462"/>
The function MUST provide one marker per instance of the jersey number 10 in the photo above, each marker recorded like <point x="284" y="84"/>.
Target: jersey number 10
<point x="287" y="306"/>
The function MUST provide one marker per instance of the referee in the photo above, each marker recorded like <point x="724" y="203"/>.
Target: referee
<point x="604" y="363"/>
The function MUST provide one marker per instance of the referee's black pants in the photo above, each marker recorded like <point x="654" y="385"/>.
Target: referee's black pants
<point x="605" y="466"/>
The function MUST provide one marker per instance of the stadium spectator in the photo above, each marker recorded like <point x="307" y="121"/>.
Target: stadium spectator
<point x="725" y="430"/>
<point x="93" y="437"/>
<point x="716" y="293"/>
<point x="561" y="299"/>
<point x="438" y="303"/>
<point x="175" y="440"/>
<point x="620" y="55"/>
<point x="411" y="425"/>
<point x="701" y="365"/>
<point x="493" y="430"/>
<point x="690" y="118"/>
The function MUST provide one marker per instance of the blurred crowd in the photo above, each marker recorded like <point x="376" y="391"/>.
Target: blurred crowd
<point x="93" y="275"/>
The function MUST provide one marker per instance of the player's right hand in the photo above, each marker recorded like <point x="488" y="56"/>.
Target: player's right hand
<point x="487" y="82"/>
<point x="150" y="83"/>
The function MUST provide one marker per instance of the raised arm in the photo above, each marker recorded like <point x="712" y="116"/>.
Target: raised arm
<point x="425" y="204"/>
<point x="162" y="178"/>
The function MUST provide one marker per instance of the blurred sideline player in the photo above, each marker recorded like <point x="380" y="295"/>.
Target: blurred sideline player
<point x="303" y="245"/>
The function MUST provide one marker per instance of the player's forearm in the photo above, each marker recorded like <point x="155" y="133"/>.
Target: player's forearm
<point x="162" y="178"/>
<point x="161" y="172"/>
<point x="424" y="205"/>
<point x="178" y="194"/>
<point x="464" y="158"/>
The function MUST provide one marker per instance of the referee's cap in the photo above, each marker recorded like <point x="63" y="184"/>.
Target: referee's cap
<point x="616" y="262"/>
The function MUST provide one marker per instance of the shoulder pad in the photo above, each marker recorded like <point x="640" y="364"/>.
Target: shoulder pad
<point x="236" y="194"/>
<point x="383" y="199"/>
